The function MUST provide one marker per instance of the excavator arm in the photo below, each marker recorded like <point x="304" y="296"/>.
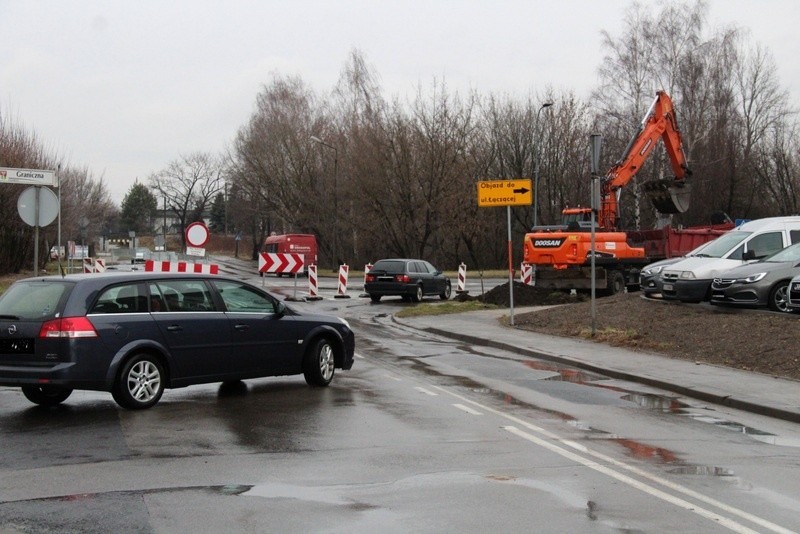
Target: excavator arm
<point x="668" y="196"/>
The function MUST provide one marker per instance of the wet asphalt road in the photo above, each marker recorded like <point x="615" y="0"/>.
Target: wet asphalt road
<point x="422" y="435"/>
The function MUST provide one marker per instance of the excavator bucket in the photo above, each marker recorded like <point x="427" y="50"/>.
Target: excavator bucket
<point x="668" y="196"/>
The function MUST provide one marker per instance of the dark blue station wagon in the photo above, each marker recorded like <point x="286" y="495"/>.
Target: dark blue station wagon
<point x="135" y="334"/>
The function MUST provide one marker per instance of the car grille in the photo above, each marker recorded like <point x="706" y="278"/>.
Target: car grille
<point x="669" y="277"/>
<point x="16" y="346"/>
<point x="722" y="283"/>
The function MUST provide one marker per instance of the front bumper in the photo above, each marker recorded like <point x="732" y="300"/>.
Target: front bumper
<point x="685" y="290"/>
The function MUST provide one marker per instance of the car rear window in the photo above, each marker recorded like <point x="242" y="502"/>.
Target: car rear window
<point x="32" y="300"/>
<point x="389" y="266"/>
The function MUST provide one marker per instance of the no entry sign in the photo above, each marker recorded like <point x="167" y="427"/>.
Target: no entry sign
<point x="196" y="234"/>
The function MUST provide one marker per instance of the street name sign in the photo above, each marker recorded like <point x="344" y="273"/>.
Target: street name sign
<point x="28" y="176"/>
<point x="496" y="193"/>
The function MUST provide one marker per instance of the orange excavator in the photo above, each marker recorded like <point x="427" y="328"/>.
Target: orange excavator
<point x="562" y="254"/>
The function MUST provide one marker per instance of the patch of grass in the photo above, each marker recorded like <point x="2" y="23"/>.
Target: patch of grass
<point x="614" y="336"/>
<point x="444" y="308"/>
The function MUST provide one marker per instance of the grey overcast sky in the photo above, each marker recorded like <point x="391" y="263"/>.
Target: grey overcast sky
<point x="125" y="87"/>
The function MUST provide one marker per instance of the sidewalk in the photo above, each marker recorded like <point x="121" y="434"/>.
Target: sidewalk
<point x="753" y="392"/>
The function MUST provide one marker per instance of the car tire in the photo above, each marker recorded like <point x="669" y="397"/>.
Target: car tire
<point x="140" y="383"/>
<point x="375" y="298"/>
<point x="418" y="294"/>
<point x="779" y="297"/>
<point x="319" y="363"/>
<point x="444" y="295"/>
<point x="46" y="395"/>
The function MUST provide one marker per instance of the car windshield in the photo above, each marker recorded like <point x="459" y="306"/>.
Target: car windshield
<point x="389" y="266"/>
<point x="33" y="300"/>
<point x="722" y="245"/>
<point x="791" y="253"/>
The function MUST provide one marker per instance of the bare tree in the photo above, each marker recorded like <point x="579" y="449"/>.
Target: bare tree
<point x="188" y="185"/>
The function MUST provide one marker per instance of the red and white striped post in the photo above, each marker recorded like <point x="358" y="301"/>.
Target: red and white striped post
<point x="526" y="273"/>
<point x="341" y="293"/>
<point x="313" y="285"/>
<point x="88" y="265"/>
<point x="99" y="265"/>
<point x="367" y="269"/>
<point x="462" y="278"/>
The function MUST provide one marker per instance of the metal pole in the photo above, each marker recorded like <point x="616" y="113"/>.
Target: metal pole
<point x="536" y="166"/>
<point x="36" y="234"/>
<point x="510" y="270"/>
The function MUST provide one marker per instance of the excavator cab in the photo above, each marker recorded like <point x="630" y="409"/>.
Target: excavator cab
<point x="668" y="196"/>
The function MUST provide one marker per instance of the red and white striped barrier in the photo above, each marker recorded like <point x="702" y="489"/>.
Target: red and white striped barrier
<point x="526" y="273"/>
<point x="341" y="292"/>
<point x="313" y="285"/>
<point x="88" y="265"/>
<point x="180" y="267"/>
<point x="462" y="279"/>
<point x="367" y="269"/>
<point x="274" y="262"/>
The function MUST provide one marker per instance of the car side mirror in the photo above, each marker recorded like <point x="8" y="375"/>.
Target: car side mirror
<point x="280" y="309"/>
<point x="749" y="255"/>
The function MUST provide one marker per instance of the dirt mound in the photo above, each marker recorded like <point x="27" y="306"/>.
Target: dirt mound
<point x="524" y="295"/>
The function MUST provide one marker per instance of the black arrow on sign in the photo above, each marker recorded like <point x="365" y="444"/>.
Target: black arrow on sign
<point x="521" y="191"/>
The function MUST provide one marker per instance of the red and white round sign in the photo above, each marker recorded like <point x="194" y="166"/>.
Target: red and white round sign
<point x="196" y="234"/>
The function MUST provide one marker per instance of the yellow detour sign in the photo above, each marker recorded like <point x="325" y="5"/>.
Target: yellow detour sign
<point x="495" y="193"/>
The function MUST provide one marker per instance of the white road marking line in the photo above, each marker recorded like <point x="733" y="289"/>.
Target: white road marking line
<point x="357" y="355"/>
<point x="426" y="391"/>
<point x="467" y="409"/>
<point x="394" y="378"/>
<point x="724" y="521"/>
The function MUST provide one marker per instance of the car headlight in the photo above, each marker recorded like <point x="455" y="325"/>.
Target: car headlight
<point x="653" y="270"/>
<point x="687" y="275"/>
<point x="752" y="278"/>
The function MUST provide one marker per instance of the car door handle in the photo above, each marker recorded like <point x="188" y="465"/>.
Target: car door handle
<point x="241" y="327"/>
<point x="174" y="328"/>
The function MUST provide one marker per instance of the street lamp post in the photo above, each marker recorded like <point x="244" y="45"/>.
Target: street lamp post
<point x="335" y="198"/>
<point x="536" y="166"/>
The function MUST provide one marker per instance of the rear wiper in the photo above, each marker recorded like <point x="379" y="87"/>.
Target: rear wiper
<point x="12" y="317"/>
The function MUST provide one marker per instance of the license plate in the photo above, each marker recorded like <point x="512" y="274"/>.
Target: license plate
<point x="668" y="287"/>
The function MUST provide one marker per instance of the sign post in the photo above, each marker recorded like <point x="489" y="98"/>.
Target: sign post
<point x="497" y="193"/>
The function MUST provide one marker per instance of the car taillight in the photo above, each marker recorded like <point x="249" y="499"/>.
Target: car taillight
<point x="402" y="278"/>
<point x="71" y="327"/>
<point x="370" y="278"/>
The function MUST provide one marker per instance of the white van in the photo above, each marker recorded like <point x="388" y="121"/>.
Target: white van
<point x="689" y="280"/>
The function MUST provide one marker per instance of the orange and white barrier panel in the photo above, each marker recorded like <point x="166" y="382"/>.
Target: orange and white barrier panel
<point x="341" y="292"/>
<point x="180" y="267"/>
<point x="462" y="278"/>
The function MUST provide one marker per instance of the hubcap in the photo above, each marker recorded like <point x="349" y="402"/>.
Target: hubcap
<point x="326" y="362"/>
<point x="144" y="381"/>
<point x="780" y="299"/>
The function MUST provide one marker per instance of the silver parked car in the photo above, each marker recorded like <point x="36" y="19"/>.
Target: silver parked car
<point x="764" y="283"/>
<point x="650" y="277"/>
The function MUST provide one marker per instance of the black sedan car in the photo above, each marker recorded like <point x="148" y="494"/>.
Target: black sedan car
<point x="407" y="278"/>
<point x="135" y="334"/>
<point x="764" y="283"/>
